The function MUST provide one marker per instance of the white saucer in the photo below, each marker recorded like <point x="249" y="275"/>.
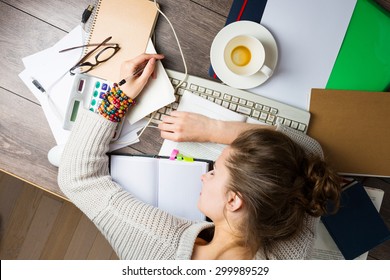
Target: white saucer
<point x="225" y="35"/>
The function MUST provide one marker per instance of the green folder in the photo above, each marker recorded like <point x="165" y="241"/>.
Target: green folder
<point x="363" y="62"/>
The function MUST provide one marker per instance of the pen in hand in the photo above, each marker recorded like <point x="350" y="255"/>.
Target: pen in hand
<point x="136" y="73"/>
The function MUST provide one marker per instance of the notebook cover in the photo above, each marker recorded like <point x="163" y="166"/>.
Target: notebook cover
<point x="357" y="227"/>
<point x="130" y="23"/>
<point x="243" y="10"/>
<point x="353" y="129"/>
<point x="363" y="62"/>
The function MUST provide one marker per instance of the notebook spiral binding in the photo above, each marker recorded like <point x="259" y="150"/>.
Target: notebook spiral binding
<point x="91" y="24"/>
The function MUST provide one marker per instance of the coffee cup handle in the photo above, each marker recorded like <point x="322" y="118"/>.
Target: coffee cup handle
<point x="266" y="71"/>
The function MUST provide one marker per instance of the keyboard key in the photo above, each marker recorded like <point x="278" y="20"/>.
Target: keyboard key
<point x="287" y="122"/>
<point x="235" y="99"/>
<point x="279" y="120"/>
<point x="194" y="87"/>
<point x="258" y="106"/>
<point x="301" y="127"/>
<point x="225" y="104"/>
<point x="227" y="97"/>
<point x="180" y="91"/>
<point x="244" y="110"/>
<point x="201" y="89"/>
<point x="274" y="111"/>
<point x="256" y="114"/>
<point x="216" y="93"/>
<point x="271" y="118"/>
<point x="242" y="101"/>
<point x="209" y="91"/>
<point x="175" y="82"/>
<point x="263" y="116"/>
<point x="218" y="101"/>
<point x="232" y="106"/>
<point x="294" y="124"/>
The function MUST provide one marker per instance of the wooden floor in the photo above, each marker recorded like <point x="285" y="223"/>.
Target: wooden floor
<point x="37" y="225"/>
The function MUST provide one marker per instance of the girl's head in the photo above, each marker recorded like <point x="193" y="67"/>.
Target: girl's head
<point x="276" y="184"/>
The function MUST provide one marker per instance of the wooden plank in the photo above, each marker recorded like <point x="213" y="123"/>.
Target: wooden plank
<point x="101" y="249"/>
<point x="10" y="189"/>
<point x="219" y="7"/>
<point x="64" y="15"/>
<point x="82" y="240"/>
<point x="114" y="256"/>
<point x="40" y="228"/>
<point x="19" y="224"/>
<point x="26" y="140"/>
<point x="61" y="235"/>
<point x="21" y="35"/>
<point x="196" y="27"/>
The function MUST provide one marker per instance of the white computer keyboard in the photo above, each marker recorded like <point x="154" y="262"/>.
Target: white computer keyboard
<point x="252" y="105"/>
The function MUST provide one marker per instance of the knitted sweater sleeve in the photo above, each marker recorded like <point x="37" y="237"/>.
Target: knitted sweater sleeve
<point x="134" y="229"/>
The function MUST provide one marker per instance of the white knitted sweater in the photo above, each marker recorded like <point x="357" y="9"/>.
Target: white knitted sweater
<point x="134" y="229"/>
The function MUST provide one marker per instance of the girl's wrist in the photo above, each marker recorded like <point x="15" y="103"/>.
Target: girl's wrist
<point x="115" y="104"/>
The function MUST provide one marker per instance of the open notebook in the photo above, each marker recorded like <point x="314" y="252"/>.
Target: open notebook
<point x="196" y="104"/>
<point x="171" y="185"/>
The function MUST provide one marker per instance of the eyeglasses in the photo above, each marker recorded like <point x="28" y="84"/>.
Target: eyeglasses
<point x="103" y="55"/>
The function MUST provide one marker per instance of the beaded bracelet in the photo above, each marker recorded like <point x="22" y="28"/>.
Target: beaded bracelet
<point x="115" y="104"/>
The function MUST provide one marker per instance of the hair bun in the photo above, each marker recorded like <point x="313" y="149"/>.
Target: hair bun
<point x="325" y="186"/>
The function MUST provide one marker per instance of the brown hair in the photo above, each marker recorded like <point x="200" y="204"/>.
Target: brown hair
<point x="279" y="184"/>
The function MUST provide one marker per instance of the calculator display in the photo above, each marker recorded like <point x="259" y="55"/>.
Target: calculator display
<point x="75" y="109"/>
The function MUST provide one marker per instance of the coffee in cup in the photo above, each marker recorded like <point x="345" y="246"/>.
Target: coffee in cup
<point x="245" y="55"/>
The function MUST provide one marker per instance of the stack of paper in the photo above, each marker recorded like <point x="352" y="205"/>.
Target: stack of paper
<point x="51" y="69"/>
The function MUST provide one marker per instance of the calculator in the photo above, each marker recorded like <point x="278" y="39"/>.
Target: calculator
<point x="87" y="92"/>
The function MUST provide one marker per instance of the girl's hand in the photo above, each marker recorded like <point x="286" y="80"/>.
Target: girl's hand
<point x="135" y="84"/>
<point x="186" y="127"/>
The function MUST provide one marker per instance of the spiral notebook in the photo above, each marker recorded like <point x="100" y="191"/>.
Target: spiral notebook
<point x="130" y="23"/>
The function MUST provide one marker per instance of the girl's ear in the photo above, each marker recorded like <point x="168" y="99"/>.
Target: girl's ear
<point x="234" y="201"/>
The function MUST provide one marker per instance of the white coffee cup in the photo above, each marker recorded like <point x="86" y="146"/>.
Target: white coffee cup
<point x="244" y="55"/>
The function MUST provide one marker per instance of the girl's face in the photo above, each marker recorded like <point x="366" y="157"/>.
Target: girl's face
<point x="213" y="196"/>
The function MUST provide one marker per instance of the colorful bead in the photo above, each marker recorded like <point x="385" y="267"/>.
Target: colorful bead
<point x="114" y="104"/>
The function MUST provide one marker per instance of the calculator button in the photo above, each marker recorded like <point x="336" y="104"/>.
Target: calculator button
<point x="104" y="86"/>
<point x="95" y="93"/>
<point x="97" y="85"/>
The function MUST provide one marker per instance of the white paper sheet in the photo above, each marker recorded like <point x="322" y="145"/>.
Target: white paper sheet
<point x="309" y="34"/>
<point x="49" y="66"/>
